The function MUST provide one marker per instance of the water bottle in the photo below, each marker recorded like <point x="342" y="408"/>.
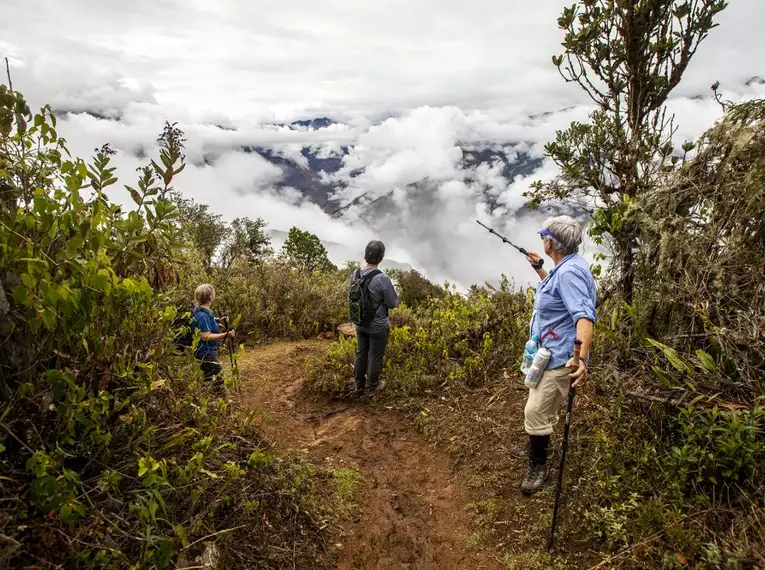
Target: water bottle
<point x="532" y="345"/>
<point x="538" y="367"/>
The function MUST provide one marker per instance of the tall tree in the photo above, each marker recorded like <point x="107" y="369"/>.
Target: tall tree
<point x="247" y="240"/>
<point x="204" y="230"/>
<point x="627" y="55"/>
<point x="306" y="250"/>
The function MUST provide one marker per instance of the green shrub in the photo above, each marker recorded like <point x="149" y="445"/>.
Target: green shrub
<point x="112" y="452"/>
<point x="414" y="290"/>
<point x="718" y="452"/>
<point x="278" y="300"/>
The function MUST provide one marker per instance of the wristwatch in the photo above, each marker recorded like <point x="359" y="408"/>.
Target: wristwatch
<point x="537" y="265"/>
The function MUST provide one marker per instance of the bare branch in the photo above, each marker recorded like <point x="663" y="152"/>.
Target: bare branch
<point x="8" y="72"/>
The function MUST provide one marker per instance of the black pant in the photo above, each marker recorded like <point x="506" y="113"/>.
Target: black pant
<point x="212" y="370"/>
<point x="369" y="359"/>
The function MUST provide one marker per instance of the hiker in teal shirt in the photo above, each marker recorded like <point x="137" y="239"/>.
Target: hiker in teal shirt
<point x="564" y="310"/>
<point x="209" y="335"/>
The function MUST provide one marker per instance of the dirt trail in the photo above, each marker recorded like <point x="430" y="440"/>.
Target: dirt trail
<point x="411" y="510"/>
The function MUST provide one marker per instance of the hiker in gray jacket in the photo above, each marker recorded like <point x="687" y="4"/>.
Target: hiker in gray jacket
<point x="372" y="340"/>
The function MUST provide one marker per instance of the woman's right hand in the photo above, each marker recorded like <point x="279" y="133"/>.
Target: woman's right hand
<point x="533" y="258"/>
<point x="232" y="333"/>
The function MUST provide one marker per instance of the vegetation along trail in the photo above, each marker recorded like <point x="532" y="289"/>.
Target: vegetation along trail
<point x="408" y="508"/>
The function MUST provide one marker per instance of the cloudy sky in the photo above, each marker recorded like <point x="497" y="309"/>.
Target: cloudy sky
<point x="409" y="82"/>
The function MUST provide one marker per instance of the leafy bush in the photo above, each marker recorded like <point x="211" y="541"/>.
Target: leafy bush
<point x="414" y="290"/>
<point x="682" y="469"/>
<point x="112" y="453"/>
<point x="677" y="492"/>
<point x="278" y="300"/>
<point x="702" y="269"/>
<point x="719" y="452"/>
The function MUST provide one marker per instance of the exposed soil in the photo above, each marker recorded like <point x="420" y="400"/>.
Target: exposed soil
<point x="412" y="509"/>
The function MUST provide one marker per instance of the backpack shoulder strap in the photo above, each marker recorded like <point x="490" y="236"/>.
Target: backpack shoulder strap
<point x="367" y="280"/>
<point x="371" y="275"/>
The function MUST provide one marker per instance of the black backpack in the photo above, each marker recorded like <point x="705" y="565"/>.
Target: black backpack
<point x="360" y="308"/>
<point x="183" y="327"/>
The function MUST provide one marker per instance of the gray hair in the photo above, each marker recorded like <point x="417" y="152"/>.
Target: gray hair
<point x="204" y="294"/>
<point x="568" y="231"/>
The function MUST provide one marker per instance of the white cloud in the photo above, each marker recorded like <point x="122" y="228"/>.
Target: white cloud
<point x="411" y="83"/>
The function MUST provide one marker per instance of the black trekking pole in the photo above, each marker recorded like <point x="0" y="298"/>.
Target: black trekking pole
<point x="571" y="392"/>
<point x="508" y="242"/>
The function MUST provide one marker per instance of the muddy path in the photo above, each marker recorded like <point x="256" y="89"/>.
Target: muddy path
<point x="411" y="507"/>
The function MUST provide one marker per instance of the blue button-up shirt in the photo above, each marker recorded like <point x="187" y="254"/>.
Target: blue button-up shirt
<point x="204" y="321"/>
<point x="566" y="295"/>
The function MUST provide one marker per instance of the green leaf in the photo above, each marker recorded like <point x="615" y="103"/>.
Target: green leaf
<point x="179" y="530"/>
<point x="21" y="295"/>
<point x="663" y="377"/>
<point x="71" y="512"/>
<point x="49" y="319"/>
<point x="134" y="194"/>
<point x="695" y="401"/>
<point x="29" y="281"/>
<point x="101" y="282"/>
<point x="706" y="361"/>
<point x="682" y="11"/>
<point x="677" y="362"/>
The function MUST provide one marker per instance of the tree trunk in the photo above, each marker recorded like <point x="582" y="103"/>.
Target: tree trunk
<point x="627" y="267"/>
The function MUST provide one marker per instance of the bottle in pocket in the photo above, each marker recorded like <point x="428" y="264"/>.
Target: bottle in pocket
<point x="532" y="345"/>
<point x="538" y="366"/>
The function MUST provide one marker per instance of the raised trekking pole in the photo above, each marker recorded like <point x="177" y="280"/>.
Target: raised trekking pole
<point x="508" y="242"/>
<point x="571" y="392"/>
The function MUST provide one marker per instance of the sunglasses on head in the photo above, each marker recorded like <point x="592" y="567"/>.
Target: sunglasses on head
<point x="544" y="234"/>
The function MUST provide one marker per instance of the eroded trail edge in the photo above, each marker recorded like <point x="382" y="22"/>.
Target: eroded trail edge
<point x="410" y="509"/>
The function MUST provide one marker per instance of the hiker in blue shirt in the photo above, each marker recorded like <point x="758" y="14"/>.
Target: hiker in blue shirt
<point x="564" y="310"/>
<point x="209" y="335"/>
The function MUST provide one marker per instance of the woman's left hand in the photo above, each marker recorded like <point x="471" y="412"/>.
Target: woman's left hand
<point x="579" y="374"/>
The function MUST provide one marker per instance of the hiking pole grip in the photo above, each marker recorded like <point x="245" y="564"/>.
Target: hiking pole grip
<point x="575" y="359"/>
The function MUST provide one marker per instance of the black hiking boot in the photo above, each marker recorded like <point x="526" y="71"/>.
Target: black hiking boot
<point x="534" y="479"/>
